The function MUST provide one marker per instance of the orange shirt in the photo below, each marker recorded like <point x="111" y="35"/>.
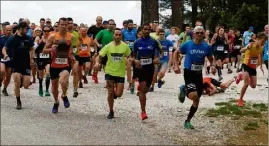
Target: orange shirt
<point x="84" y="45"/>
<point x="61" y="56"/>
<point x="207" y="80"/>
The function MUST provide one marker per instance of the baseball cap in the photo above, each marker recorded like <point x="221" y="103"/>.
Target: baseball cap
<point x="105" y="22"/>
<point x="48" y="20"/>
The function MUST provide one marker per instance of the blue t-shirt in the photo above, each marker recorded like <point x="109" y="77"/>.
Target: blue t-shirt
<point x="166" y="45"/>
<point x="265" y="51"/>
<point x="129" y="35"/>
<point x="145" y="49"/>
<point x="3" y="40"/>
<point x="247" y="37"/>
<point x="195" y="54"/>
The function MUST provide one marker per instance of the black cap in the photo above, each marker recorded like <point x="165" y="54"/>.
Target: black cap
<point x="22" y="25"/>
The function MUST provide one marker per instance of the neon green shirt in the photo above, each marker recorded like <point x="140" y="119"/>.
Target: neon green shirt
<point x="154" y="35"/>
<point x="75" y="42"/>
<point x="116" y="65"/>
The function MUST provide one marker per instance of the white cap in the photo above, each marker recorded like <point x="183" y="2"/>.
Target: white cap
<point x="38" y="29"/>
<point x="198" y="28"/>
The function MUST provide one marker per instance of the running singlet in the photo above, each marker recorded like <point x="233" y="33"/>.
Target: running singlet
<point x="265" y="52"/>
<point x="166" y="46"/>
<point x="116" y="65"/>
<point x="145" y="50"/>
<point x="220" y="46"/>
<point x="3" y="40"/>
<point x="39" y="50"/>
<point x="74" y="42"/>
<point x="252" y="56"/>
<point x="195" y="55"/>
<point x="174" y="39"/>
<point x="60" y="57"/>
<point x="238" y="43"/>
<point x="84" y="47"/>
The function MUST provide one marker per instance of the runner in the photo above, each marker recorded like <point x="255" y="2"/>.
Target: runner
<point x="196" y="51"/>
<point x="43" y="62"/>
<point x="186" y="35"/>
<point x="19" y="49"/>
<point x="42" y="23"/>
<point x="75" y="66"/>
<point x="265" y="52"/>
<point x="162" y="67"/>
<point x="60" y="47"/>
<point x="247" y="35"/>
<point x="253" y="58"/>
<point x="210" y="85"/>
<point x="146" y="52"/>
<point x="5" y="64"/>
<point x="84" y="53"/>
<point x="235" y="54"/>
<point x="129" y="36"/>
<point x="116" y="51"/>
<point x="173" y="37"/>
<point x="105" y="37"/>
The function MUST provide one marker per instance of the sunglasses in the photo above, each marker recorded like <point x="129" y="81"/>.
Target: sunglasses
<point x="161" y="34"/>
<point x="199" y="33"/>
<point x="117" y="34"/>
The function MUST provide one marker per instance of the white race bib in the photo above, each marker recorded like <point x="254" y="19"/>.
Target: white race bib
<point x="61" y="60"/>
<point x="197" y="67"/>
<point x="147" y="61"/>
<point x="254" y="61"/>
<point x="220" y="48"/>
<point x="84" y="48"/>
<point x="92" y="49"/>
<point x="75" y="50"/>
<point x="165" y="53"/>
<point x="171" y="49"/>
<point x="41" y="55"/>
<point x="237" y="47"/>
<point x="116" y="58"/>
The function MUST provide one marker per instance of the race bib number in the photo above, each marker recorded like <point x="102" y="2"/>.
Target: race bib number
<point x="147" y="61"/>
<point x="92" y="49"/>
<point x="131" y="44"/>
<point x="225" y="51"/>
<point x="41" y="55"/>
<point x="84" y="48"/>
<point x="237" y="47"/>
<point x="116" y="58"/>
<point x="171" y="49"/>
<point x="220" y="48"/>
<point x="197" y="67"/>
<point x="254" y="61"/>
<point x="75" y="50"/>
<point x="61" y="60"/>
<point x="165" y="53"/>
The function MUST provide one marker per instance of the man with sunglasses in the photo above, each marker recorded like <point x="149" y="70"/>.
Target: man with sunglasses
<point x="195" y="52"/>
<point x="56" y="27"/>
<point x="105" y="37"/>
<point x="116" y="51"/>
<point x="146" y="53"/>
<point x="5" y="64"/>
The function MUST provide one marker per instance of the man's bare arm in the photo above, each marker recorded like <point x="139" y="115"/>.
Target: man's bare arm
<point x="48" y="47"/>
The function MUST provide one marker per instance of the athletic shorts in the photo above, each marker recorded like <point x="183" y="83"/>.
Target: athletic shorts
<point x="7" y="63"/>
<point x="55" y="72"/>
<point x="83" y="60"/>
<point x="134" y="72"/>
<point x="193" y="82"/>
<point x="114" y="78"/>
<point x="234" y="53"/>
<point x="219" y="57"/>
<point x="23" y="71"/>
<point x="161" y="66"/>
<point x="251" y="71"/>
<point x="42" y="63"/>
<point x="145" y="74"/>
<point x="266" y="63"/>
<point x="215" y="82"/>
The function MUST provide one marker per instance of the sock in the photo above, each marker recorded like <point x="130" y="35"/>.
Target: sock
<point x="18" y="100"/>
<point x="191" y="113"/>
<point x="40" y="84"/>
<point x="75" y="90"/>
<point x="47" y="83"/>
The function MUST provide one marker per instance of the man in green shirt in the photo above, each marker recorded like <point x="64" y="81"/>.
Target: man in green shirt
<point x="103" y="38"/>
<point x="186" y="35"/>
<point x="115" y="69"/>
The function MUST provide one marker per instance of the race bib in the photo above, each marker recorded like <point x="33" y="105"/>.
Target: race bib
<point x="197" y="67"/>
<point x="225" y="51"/>
<point x="147" y="61"/>
<point x="61" y="60"/>
<point x="237" y="47"/>
<point x="92" y="49"/>
<point x="131" y="44"/>
<point x="75" y="50"/>
<point x="165" y="53"/>
<point x="171" y="49"/>
<point x="220" y="48"/>
<point x="41" y="55"/>
<point x="254" y="61"/>
<point x="2" y="60"/>
<point x="116" y="58"/>
<point x="84" y="48"/>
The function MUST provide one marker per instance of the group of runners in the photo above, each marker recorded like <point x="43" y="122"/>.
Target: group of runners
<point x="144" y="54"/>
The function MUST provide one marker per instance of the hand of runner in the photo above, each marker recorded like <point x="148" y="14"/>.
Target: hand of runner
<point x="156" y="61"/>
<point x="177" y="70"/>
<point x="137" y="63"/>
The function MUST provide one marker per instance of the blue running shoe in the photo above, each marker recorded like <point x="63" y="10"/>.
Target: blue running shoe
<point x="55" y="108"/>
<point x="66" y="102"/>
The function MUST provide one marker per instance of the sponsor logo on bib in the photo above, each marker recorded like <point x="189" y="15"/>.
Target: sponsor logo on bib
<point x="61" y="61"/>
<point x="41" y="55"/>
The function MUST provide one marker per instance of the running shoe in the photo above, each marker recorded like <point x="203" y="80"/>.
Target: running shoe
<point x="55" y="108"/>
<point x="5" y="92"/>
<point x="85" y="80"/>
<point x="239" y="78"/>
<point x="66" y="102"/>
<point x="240" y="103"/>
<point x="80" y="85"/>
<point x="160" y="83"/>
<point x="188" y="125"/>
<point x="75" y="94"/>
<point x="18" y="107"/>
<point x="151" y="89"/>
<point x="47" y="93"/>
<point x="229" y="71"/>
<point x="144" y="116"/>
<point x="40" y="92"/>
<point x="182" y="93"/>
<point x="110" y="115"/>
<point x="132" y="89"/>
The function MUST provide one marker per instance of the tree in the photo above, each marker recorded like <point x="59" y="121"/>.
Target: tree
<point x="149" y="11"/>
<point x="177" y="13"/>
<point x="194" y="11"/>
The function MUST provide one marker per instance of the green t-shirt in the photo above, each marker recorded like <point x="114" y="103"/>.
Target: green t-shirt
<point x="105" y="37"/>
<point x="116" y="65"/>
<point x="75" y="42"/>
<point x="181" y="36"/>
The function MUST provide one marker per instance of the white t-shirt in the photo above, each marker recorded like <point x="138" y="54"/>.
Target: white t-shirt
<point x="174" y="39"/>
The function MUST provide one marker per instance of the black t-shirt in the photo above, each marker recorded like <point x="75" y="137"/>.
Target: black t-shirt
<point x="93" y="30"/>
<point x="18" y="48"/>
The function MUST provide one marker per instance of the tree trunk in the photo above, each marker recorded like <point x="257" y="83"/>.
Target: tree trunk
<point x="177" y="13"/>
<point x="194" y="11"/>
<point x="149" y="11"/>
